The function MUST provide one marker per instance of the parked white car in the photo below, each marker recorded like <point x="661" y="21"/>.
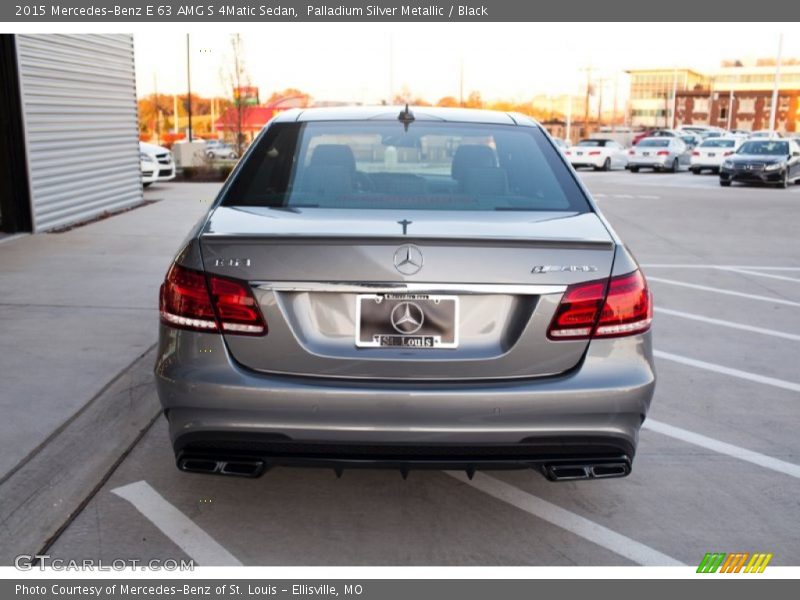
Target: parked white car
<point x="762" y="134"/>
<point x="659" y="154"/>
<point x="217" y="149"/>
<point x="162" y="157"/>
<point x="712" y="152"/>
<point x="149" y="169"/>
<point x="601" y="154"/>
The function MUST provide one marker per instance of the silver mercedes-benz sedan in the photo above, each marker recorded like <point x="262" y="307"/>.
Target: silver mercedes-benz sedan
<point x="405" y="288"/>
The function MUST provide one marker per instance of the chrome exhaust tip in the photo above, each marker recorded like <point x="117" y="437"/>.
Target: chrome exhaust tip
<point x="242" y="468"/>
<point x="583" y="471"/>
<point x="236" y="468"/>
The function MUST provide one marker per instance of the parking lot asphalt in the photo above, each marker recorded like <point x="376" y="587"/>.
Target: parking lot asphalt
<point x="718" y="466"/>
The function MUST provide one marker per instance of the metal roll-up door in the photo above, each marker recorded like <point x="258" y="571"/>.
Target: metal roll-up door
<point x="81" y="125"/>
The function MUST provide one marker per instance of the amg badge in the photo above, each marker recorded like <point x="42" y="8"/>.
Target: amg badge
<point x="562" y="268"/>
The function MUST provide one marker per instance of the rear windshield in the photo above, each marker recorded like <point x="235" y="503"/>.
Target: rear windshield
<point x="718" y="143"/>
<point x="767" y="148"/>
<point x="381" y="165"/>
<point x="592" y="143"/>
<point x="648" y="143"/>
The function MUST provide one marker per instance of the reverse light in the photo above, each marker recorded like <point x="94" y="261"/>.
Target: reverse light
<point x="192" y="300"/>
<point x="620" y="306"/>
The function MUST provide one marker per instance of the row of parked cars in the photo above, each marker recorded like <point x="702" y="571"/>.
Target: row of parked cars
<point x="158" y="164"/>
<point x="749" y="157"/>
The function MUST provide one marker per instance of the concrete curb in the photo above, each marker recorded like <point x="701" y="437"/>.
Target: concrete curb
<point x="41" y="497"/>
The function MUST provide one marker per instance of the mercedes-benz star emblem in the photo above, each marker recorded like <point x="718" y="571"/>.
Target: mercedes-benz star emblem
<point x="407" y="318"/>
<point x="408" y="259"/>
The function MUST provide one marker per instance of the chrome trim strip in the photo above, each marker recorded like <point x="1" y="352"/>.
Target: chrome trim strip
<point x="408" y="287"/>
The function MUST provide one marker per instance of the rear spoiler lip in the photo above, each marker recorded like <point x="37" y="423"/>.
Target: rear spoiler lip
<point x="562" y="243"/>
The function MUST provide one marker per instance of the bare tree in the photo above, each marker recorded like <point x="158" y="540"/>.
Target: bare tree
<point x="237" y="79"/>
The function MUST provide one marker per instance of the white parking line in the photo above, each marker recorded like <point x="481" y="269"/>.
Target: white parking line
<point x="762" y="460"/>
<point x="727" y="292"/>
<point x="574" y="523"/>
<point x="731" y="324"/>
<point x="195" y="542"/>
<point x="701" y="364"/>
<point x="758" y="274"/>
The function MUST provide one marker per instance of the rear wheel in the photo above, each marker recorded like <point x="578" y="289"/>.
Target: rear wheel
<point x="724" y="183"/>
<point x="675" y="166"/>
<point x="696" y="171"/>
<point x="634" y="169"/>
<point x="607" y="165"/>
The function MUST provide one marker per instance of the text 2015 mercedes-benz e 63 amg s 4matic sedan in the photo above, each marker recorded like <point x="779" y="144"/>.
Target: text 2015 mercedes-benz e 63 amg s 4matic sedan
<point x="404" y="288"/>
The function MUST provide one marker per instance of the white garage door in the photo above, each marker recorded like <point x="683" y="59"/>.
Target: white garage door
<point x="81" y="126"/>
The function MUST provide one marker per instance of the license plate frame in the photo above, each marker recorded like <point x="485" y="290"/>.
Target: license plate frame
<point x="381" y="320"/>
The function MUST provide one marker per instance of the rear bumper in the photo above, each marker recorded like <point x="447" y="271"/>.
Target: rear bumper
<point x="587" y="162"/>
<point x="649" y="163"/>
<point x="216" y="408"/>
<point x="705" y="164"/>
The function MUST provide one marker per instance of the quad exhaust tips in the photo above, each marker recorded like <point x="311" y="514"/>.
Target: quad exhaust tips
<point x="574" y="472"/>
<point x="236" y="468"/>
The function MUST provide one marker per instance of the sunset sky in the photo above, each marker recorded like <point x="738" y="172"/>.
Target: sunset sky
<point x="362" y="62"/>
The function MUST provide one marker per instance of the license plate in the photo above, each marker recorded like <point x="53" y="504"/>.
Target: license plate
<point x="579" y="153"/>
<point x="711" y="154"/>
<point x="406" y="321"/>
<point x="645" y="154"/>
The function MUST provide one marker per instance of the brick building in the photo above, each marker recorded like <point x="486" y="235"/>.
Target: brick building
<point x="749" y="110"/>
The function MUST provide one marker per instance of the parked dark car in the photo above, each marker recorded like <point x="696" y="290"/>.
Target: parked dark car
<point x="773" y="161"/>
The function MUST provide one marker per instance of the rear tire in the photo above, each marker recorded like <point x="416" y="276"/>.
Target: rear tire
<point x="607" y="165"/>
<point x="696" y="171"/>
<point x="634" y="169"/>
<point x="675" y="166"/>
<point x="725" y="183"/>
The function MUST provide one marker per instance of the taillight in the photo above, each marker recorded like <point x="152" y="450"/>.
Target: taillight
<point x="663" y="153"/>
<point x="621" y="306"/>
<point x="567" y="152"/>
<point x="695" y="153"/>
<point x="628" y="307"/>
<point x="632" y="152"/>
<point x="594" y="153"/>
<point x="236" y="307"/>
<point x="191" y="300"/>
<point x="727" y="154"/>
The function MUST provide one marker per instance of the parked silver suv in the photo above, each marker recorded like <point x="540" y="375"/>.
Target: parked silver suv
<point x="405" y="288"/>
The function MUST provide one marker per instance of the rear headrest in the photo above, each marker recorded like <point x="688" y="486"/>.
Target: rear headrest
<point x="472" y="156"/>
<point x="333" y="155"/>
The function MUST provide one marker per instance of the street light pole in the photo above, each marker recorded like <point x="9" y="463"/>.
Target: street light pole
<point x="773" y="111"/>
<point x="730" y="109"/>
<point x="674" y="96"/>
<point x="189" y="87"/>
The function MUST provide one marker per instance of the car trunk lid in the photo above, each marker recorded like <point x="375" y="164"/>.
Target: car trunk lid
<point x="492" y="280"/>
